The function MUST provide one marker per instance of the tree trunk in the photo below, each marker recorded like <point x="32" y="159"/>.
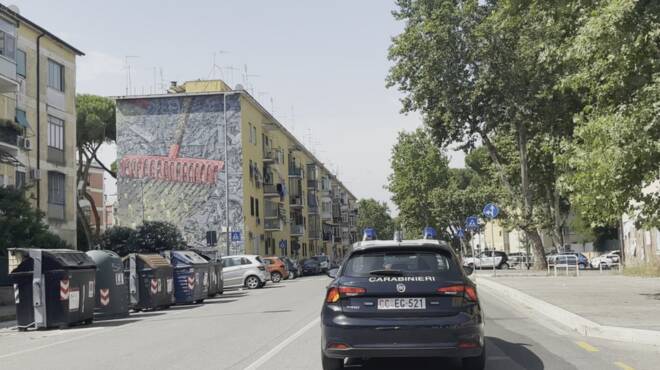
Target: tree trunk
<point x="85" y="224"/>
<point x="95" y="212"/>
<point x="540" y="263"/>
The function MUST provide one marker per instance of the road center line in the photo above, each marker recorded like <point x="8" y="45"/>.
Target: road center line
<point x="275" y="350"/>
<point x="587" y="347"/>
<point x="623" y="366"/>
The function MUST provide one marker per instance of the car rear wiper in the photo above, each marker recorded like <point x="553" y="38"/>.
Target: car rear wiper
<point x="386" y="272"/>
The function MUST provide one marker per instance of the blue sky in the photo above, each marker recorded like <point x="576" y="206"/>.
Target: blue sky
<point x="323" y="64"/>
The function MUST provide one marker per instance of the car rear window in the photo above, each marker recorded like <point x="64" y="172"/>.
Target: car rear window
<point x="409" y="263"/>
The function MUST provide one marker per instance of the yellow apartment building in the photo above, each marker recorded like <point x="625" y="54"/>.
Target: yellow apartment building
<point x="38" y="118"/>
<point x="213" y="161"/>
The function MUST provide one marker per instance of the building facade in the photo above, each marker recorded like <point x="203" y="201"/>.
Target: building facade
<point x="38" y="118"/>
<point x="96" y="191"/>
<point x="214" y="162"/>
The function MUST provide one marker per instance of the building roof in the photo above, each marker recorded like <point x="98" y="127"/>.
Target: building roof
<point x="6" y="10"/>
<point x="261" y="108"/>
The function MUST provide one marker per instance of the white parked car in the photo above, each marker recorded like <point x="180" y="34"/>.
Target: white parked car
<point x="488" y="259"/>
<point x="244" y="270"/>
<point x="607" y="260"/>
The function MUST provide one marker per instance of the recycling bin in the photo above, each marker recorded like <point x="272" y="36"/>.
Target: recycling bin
<point x="191" y="276"/>
<point x="216" y="283"/>
<point x="150" y="282"/>
<point x="53" y="287"/>
<point x="111" y="285"/>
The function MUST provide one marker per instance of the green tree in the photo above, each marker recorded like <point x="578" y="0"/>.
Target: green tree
<point x="95" y="125"/>
<point x="372" y="213"/>
<point x="483" y="73"/>
<point x="613" y="58"/>
<point x="21" y="225"/>
<point x="418" y="167"/>
<point x="118" y="239"/>
<point x="155" y="237"/>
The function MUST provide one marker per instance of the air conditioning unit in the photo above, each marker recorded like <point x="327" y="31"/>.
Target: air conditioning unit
<point x="27" y="144"/>
<point x="35" y="174"/>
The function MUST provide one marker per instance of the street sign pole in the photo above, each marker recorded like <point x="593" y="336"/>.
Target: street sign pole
<point x="491" y="211"/>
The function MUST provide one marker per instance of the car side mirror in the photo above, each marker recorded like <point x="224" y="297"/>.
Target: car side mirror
<point x="332" y="273"/>
<point x="468" y="270"/>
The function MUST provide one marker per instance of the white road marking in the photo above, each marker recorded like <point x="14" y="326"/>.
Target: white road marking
<point x="275" y="350"/>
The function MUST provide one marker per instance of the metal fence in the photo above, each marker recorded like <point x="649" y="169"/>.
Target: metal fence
<point x="567" y="263"/>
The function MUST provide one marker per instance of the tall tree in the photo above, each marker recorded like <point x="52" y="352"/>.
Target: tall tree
<point x="613" y="58"/>
<point x="484" y="73"/>
<point x="372" y="213"/>
<point x="418" y="167"/>
<point x="95" y="125"/>
<point x="155" y="237"/>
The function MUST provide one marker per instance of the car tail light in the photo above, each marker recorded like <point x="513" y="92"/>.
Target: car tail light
<point x="262" y="267"/>
<point x="470" y="293"/>
<point x="467" y="344"/>
<point x="338" y="346"/>
<point x="351" y="291"/>
<point x="332" y="296"/>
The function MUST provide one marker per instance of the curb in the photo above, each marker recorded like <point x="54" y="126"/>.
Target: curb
<point x="575" y="322"/>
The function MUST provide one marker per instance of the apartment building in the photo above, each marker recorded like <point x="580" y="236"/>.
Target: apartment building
<point x="214" y="162"/>
<point x="38" y="118"/>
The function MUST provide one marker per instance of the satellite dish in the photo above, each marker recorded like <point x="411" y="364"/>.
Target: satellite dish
<point x="14" y="9"/>
<point x="239" y="87"/>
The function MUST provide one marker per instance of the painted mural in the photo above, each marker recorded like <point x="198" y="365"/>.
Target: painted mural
<point x="172" y="164"/>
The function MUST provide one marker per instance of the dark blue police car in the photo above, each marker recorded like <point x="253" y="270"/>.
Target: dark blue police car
<point x="402" y="299"/>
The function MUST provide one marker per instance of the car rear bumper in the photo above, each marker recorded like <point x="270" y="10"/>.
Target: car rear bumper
<point x="457" y="336"/>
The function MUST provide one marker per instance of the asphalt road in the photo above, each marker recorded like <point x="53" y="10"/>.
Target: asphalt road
<point x="277" y="328"/>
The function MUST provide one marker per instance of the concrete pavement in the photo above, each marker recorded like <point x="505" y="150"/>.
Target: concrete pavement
<point x="277" y="328"/>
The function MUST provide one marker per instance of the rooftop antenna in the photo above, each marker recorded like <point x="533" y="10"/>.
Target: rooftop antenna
<point x="127" y="67"/>
<point x="215" y="66"/>
<point x="246" y="79"/>
<point x="272" y="106"/>
<point x="231" y="70"/>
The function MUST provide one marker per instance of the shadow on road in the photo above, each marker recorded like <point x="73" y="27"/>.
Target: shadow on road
<point x="112" y="323"/>
<point x="515" y="354"/>
<point x="220" y="301"/>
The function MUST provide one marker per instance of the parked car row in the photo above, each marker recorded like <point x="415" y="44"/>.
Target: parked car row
<point x="502" y="260"/>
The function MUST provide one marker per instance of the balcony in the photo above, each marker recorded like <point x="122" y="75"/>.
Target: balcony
<point x="271" y="190"/>
<point x="312" y="209"/>
<point x="273" y="210"/>
<point x="8" y="82"/>
<point x="297" y="230"/>
<point x="295" y="171"/>
<point x="269" y="156"/>
<point x="296" y="201"/>
<point x="9" y="139"/>
<point x="313" y="184"/>
<point x="273" y="224"/>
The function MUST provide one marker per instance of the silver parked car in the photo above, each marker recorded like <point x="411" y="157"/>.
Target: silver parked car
<point x="244" y="270"/>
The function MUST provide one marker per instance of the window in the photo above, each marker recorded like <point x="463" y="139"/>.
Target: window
<point x="250" y="132"/>
<point x="251" y="171"/>
<point x="3" y="181"/>
<point x="251" y="206"/>
<point x="245" y="261"/>
<point x="256" y="207"/>
<point x="20" y="179"/>
<point x="55" y="75"/>
<point x="254" y="135"/>
<point x="55" y="133"/>
<point x="21" y="63"/>
<point x="409" y="263"/>
<point x="7" y="45"/>
<point x="56" y="195"/>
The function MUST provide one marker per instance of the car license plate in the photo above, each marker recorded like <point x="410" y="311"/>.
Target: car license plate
<point x="401" y="303"/>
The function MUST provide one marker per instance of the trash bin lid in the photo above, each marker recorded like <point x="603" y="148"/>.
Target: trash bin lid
<point x="189" y="257"/>
<point x="104" y="257"/>
<point x="54" y="259"/>
<point x="153" y="260"/>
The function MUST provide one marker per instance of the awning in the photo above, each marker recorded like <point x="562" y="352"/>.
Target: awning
<point x="21" y="118"/>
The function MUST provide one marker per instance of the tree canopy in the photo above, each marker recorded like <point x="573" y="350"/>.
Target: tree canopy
<point x="375" y="214"/>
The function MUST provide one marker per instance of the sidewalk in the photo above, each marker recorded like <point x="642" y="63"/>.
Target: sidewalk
<point x="608" y="306"/>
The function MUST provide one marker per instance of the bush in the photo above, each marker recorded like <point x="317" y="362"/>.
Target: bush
<point x="118" y="239"/>
<point x="157" y="236"/>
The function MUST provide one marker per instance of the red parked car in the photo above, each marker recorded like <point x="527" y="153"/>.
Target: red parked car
<point x="277" y="268"/>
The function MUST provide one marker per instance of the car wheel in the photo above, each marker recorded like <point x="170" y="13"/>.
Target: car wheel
<point x="504" y="266"/>
<point x="252" y="282"/>
<point x="276" y="277"/>
<point x="582" y="266"/>
<point x="330" y="363"/>
<point x="475" y="363"/>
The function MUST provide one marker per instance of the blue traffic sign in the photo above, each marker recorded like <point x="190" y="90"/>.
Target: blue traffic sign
<point x="472" y="222"/>
<point x="460" y="233"/>
<point x="491" y="211"/>
<point x="236" y="236"/>
<point x="282" y="244"/>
